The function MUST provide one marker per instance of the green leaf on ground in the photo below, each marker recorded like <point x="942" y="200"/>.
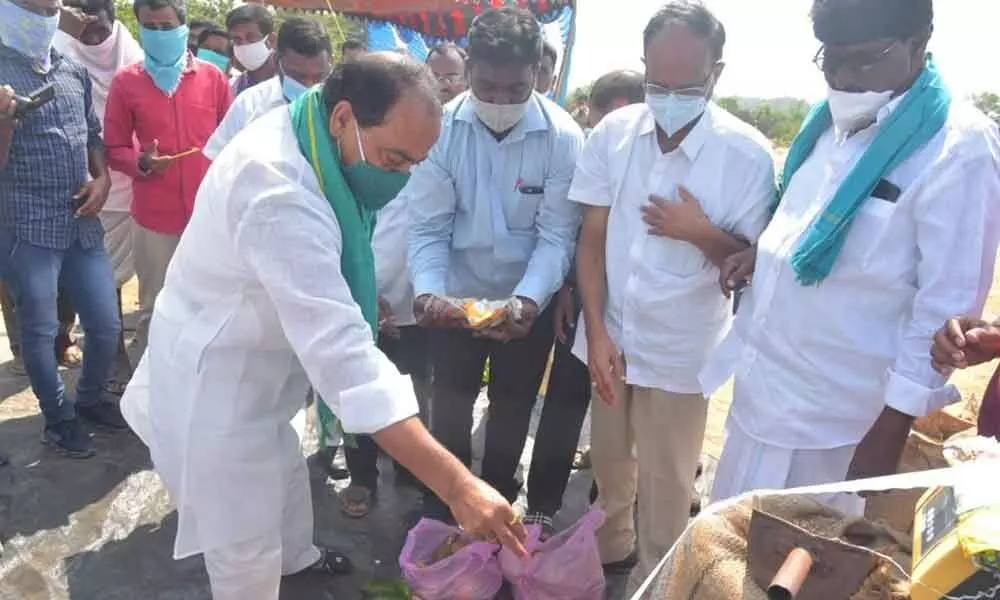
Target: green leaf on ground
<point x="386" y="589"/>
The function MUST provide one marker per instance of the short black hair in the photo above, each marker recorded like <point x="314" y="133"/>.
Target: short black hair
<point x="694" y="15"/>
<point x="446" y="48"/>
<point x="845" y="22"/>
<point x="92" y="7"/>
<point x="627" y="84"/>
<point x="506" y="36"/>
<point x="179" y="6"/>
<point x="304" y="36"/>
<point x="374" y="82"/>
<point x="211" y="30"/>
<point x="251" y="13"/>
<point x="549" y="50"/>
<point x="203" y="24"/>
<point x="352" y="43"/>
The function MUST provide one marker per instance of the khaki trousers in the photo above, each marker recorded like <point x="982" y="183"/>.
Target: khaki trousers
<point x="151" y="252"/>
<point x="648" y="445"/>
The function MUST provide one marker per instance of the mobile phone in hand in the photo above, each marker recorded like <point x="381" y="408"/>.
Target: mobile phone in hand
<point x="37" y="99"/>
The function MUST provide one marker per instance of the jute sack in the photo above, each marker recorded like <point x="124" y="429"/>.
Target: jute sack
<point x="924" y="451"/>
<point x="711" y="561"/>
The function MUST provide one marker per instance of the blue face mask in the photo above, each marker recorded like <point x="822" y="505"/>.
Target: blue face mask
<point x="292" y="89"/>
<point x="211" y="56"/>
<point x="673" y="112"/>
<point x="166" y="56"/>
<point x="28" y="33"/>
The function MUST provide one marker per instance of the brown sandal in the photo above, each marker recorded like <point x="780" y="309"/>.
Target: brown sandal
<point x="356" y="501"/>
<point x="71" y="356"/>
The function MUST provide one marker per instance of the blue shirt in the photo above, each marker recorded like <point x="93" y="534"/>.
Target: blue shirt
<point x="492" y="219"/>
<point x="48" y="160"/>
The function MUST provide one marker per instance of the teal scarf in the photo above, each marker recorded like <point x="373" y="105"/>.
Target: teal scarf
<point x="357" y="224"/>
<point x="918" y="118"/>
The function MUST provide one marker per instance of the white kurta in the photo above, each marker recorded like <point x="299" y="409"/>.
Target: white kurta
<point x="254" y="309"/>
<point x="664" y="309"/>
<point x="821" y="362"/>
<point x="247" y="108"/>
<point x="391" y="272"/>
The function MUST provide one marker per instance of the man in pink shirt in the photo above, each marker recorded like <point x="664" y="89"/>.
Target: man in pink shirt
<point x="171" y="103"/>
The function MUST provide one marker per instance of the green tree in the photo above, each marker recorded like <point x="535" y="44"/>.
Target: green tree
<point x="779" y="120"/>
<point x="579" y="96"/>
<point x="989" y="103"/>
<point x="336" y="25"/>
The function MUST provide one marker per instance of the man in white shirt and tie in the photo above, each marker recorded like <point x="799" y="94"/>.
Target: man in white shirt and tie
<point x="670" y="189"/>
<point x="491" y="220"/>
<point x="887" y="227"/>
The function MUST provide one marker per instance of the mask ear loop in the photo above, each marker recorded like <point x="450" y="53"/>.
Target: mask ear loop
<point x="357" y="133"/>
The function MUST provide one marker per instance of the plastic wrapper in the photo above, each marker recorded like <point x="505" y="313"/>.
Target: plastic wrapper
<point x="483" y="314"/>
<point x="439" y="563"/>
<point x="979" y="537"/>
<point x="566" y="566"/>
<point x="968" y="449"/>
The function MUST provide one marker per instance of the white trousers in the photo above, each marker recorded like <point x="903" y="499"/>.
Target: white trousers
<point x="252" y="570"/>
<point x="748" y="464"/>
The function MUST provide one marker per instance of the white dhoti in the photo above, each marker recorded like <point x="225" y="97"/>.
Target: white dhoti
<point x="254" y="568"/>
<point x="118" y="228"/>
<point x="748" y="464"/>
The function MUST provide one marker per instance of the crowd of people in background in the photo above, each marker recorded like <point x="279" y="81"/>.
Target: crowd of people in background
<point x="198" y="159"/>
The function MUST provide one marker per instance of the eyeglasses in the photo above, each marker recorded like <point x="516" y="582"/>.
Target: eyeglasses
<point x="450" y="78"/>
<point x="654" y="89"/>
<point x="859" y="63"/>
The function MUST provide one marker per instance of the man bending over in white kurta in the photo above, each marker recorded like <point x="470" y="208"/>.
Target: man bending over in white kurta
<point x="273" y="287"/>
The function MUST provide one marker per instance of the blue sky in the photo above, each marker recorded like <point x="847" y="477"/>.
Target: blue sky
<point x="770" y="44"/>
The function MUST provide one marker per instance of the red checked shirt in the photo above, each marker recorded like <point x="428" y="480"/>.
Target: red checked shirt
<point x="139" y="110"/>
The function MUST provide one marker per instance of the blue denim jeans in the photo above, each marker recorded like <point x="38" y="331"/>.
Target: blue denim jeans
<point x="34" y="275"/>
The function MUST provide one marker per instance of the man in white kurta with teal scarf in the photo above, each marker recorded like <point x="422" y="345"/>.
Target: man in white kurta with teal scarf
<point x="273" y="288"/>
<point x="886" y="225"/>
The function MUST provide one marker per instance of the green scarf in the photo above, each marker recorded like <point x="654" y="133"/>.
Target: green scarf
<point x="357" y="224"/>
<point x="918" y="118"/>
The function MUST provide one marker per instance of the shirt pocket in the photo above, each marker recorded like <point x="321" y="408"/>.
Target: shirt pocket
<point x="677" y="258"/>
<point x="198" y="122"/>
<point x="521" y="208"/>
<point x="868" y="230"/>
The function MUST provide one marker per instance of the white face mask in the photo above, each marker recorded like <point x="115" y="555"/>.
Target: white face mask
<point x="674" y="112"/>
<point x="851" y="110"/>
<point x="500" y="117"/>
<point x="252" y="56"/>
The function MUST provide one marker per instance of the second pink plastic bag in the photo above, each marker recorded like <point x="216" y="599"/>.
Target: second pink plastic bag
<point x="567" y="566"/>
<point x="472" y="573"/>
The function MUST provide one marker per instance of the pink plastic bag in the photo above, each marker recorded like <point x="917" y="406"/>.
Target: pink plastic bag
<point x="567" y="566"/>
<point x="472" y="573"/>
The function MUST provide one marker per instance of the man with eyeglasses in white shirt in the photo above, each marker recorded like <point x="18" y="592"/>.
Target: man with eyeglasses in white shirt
<point x="887" y="226"/>
<point x="670" y="189"/>
<point x="447" y="62"/>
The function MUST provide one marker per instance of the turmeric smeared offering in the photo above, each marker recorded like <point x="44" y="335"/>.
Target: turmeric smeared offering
<point x="482" y="314"/>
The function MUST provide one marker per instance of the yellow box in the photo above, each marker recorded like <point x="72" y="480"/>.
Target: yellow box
<point x="941" y="566"/>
